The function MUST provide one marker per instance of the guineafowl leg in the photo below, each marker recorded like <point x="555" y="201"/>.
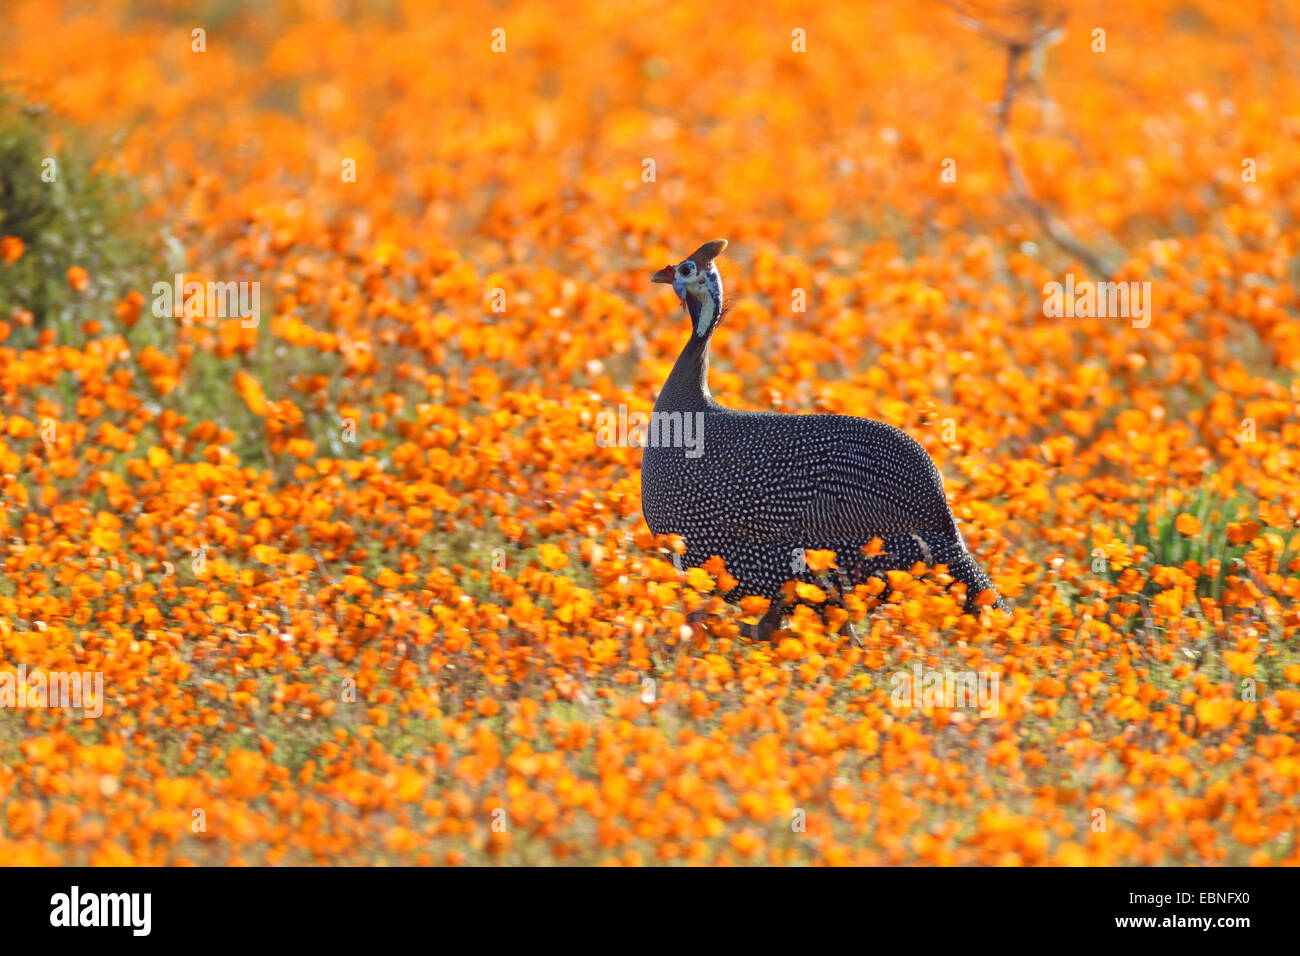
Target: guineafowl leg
<point x="695" y="620"/>
<point x="768" y="624"/>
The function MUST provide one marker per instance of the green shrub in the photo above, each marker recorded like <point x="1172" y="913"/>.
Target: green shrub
<point x="67" y="213"/>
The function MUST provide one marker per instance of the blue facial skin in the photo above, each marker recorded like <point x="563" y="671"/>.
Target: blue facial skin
<point x="689" y="302"/>
<point x="679" y="286"/>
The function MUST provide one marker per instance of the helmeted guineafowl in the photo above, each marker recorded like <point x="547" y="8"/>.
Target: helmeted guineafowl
<point x="757" y="488"/>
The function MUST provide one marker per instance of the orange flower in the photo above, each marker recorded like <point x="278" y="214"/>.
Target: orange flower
<point x="1242" y="532"/>
<point x="553" y="559"/>
<point x="250" y="390"/>
<point x="873" y="548"/>
<point x="820" y="560"/>
<point x="699" y="579"/>
<point x="11" y="249"/>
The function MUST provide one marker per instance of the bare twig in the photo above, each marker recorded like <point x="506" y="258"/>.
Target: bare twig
<point x="1056" y="229"/>
<point x="1025" y="49"/>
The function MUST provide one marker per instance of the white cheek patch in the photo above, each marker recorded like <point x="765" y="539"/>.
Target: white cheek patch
<point x="707" y="289"/>
<point x="707" y="308"/>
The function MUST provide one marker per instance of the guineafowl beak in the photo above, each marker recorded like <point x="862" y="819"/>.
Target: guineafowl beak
<point x="666" y="274"/>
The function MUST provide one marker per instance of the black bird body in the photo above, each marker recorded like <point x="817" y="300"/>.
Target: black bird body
<point x="758" y="488"/>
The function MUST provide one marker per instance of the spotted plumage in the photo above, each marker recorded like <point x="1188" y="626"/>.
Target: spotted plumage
<point x="767" y="485"/>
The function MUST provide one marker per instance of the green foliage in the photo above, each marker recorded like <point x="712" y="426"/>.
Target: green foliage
<point x="1155" y="530"/>
<point x="68" y="212"/>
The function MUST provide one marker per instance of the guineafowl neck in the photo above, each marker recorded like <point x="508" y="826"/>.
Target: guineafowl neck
<point x="687" y="388"/>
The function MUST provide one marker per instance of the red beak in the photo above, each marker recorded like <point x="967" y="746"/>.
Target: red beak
<point x="666" y="274"/>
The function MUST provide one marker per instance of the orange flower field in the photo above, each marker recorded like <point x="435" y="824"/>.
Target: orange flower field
<point x="363" y="584"/>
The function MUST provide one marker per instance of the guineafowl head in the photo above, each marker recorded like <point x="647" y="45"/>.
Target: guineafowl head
<point x="698" y="285"/>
